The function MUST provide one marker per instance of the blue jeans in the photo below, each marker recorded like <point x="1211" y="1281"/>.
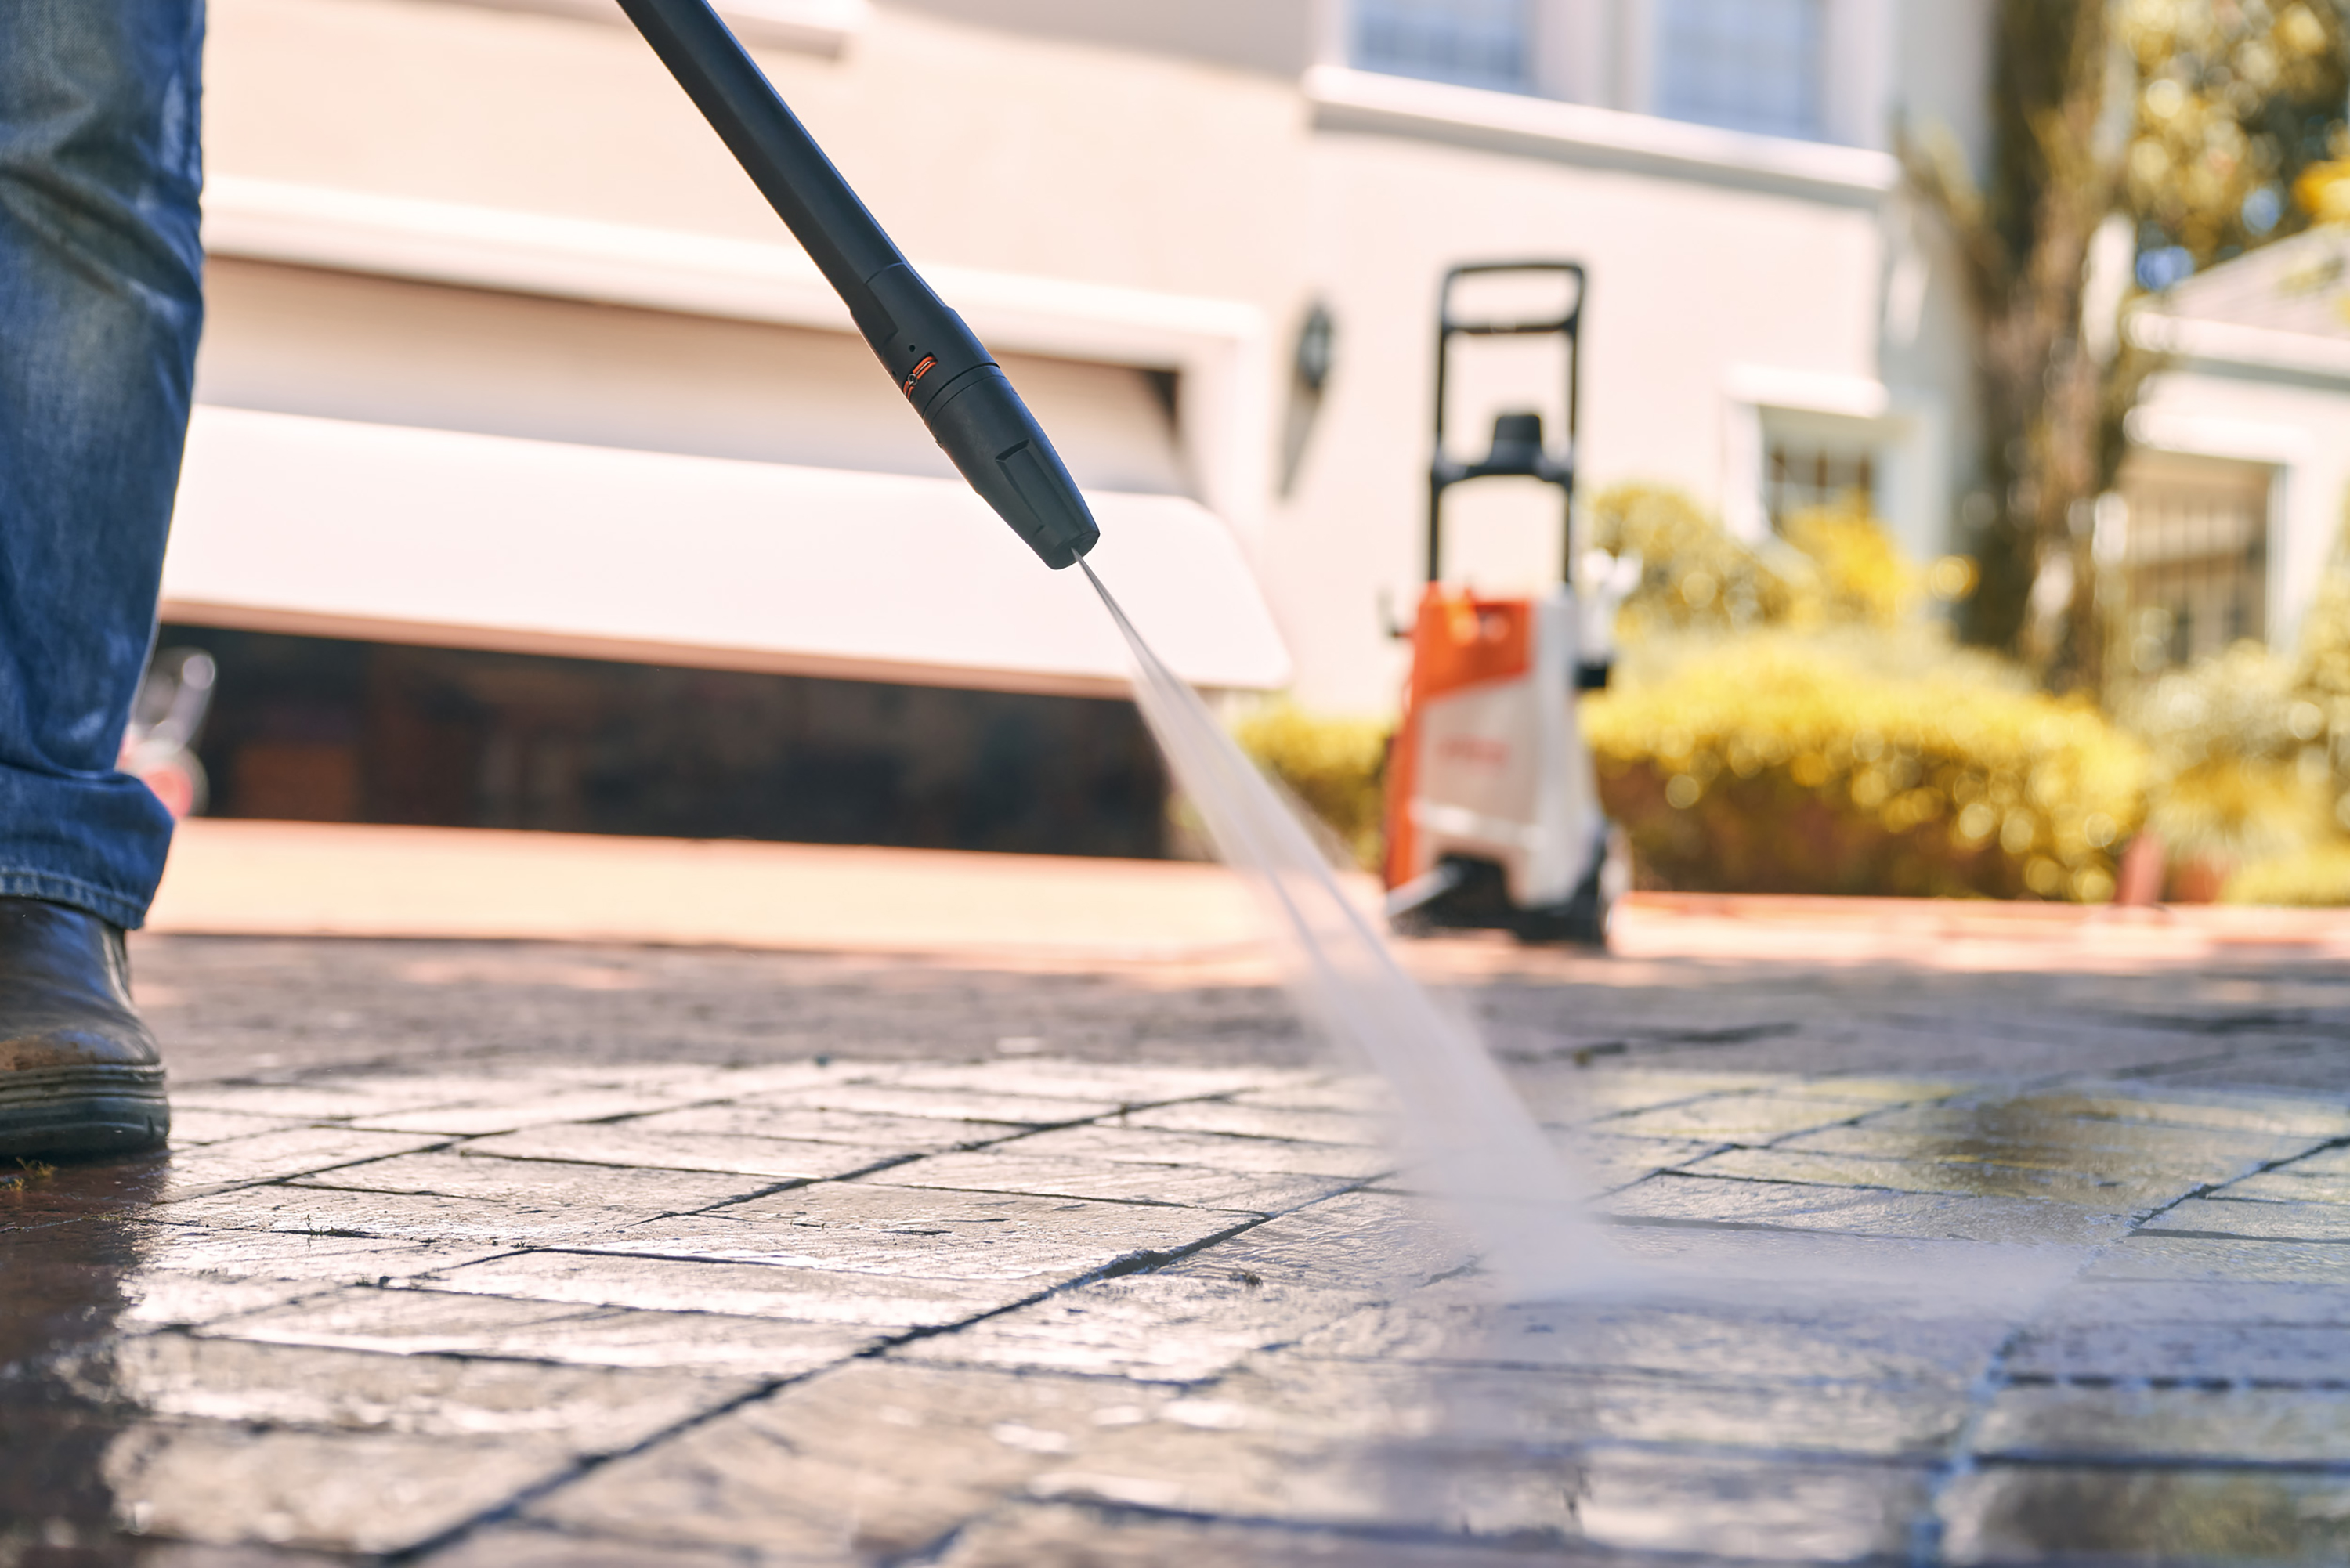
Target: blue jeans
<point x="100" y="304"/>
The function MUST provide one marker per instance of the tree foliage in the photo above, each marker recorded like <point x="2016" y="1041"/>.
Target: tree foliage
<point x="2237" y="100"/>
<point x="2187" y="118"/>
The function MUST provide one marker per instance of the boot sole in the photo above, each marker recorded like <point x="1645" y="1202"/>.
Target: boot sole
<point x="84" y="1111"/>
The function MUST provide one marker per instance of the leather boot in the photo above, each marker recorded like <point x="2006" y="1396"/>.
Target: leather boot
<point x="79" y="1072"/>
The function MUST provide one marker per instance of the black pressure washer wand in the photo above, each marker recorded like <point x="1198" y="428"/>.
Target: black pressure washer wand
<point x="961" y="394"/>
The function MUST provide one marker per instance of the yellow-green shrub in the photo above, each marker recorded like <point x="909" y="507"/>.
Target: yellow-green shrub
<point x="1693" y="576"/>
<point x="2315" y="876"/>
<point x="1831" y="566"/>
<point x="1859" y="574"/>
<point x="2240" y="771"/>
<point x="1860" y="761"/>
<point x="1335" y="767"/>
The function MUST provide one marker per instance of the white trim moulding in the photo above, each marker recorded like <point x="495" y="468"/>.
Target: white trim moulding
<point x="1346" y="99"/>
<point x="1220" y="350"/>
<point x="2226" y="343"/>
<point x="813" y="26"/>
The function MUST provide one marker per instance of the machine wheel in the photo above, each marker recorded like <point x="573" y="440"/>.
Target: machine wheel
<point x="1479" y="899"/>
<point x="1583" y="919"/>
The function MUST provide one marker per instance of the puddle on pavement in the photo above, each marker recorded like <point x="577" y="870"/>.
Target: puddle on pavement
<point x="69" y="1252"/>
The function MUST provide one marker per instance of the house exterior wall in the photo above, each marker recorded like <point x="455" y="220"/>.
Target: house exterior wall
<point x="1218" y="152"/>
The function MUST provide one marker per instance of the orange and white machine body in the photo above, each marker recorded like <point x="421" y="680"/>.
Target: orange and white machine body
<point x="1489" y="765"/>
<point x="1493" y="817"/>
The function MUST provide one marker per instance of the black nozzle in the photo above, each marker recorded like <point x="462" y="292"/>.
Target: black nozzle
<point x="946" y="373"/>
<point x="996" y="441"/>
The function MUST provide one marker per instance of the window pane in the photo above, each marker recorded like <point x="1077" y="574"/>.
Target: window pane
<point x="1800" y="475"/>
<point x="2194" y="556"/>
<point x="1746" y="65"/>
<point x="1479" y="43"/>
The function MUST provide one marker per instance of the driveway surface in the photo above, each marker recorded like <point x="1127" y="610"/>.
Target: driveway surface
<point x="516" y="1253"/>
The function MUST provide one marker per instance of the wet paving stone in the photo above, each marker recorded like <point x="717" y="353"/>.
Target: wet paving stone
<point x="2131" y="1304"/>
<point x="598" y="1286"/>
<point x="224" y="1442"/>
<point x="2004" y="1514"/>
<point x="275" y="1156"/>
<point x="864" y="1228"/>
<point x="2261" y="1425"/>
<point x="282" y="1383"/>
<point x="1263" y="1290"/>
<point x="417" y="1322"/>
<point x="2253" y="1220"/>
<point x="740" y="1290"/>
<point x="1242" y="1118"/>
<point x="1769" y="1509"/>
<point x="892" y="1134"/>
<point x="1344" y="1094"/>
<point x="1463" y="1327"/>
<point x="1984" y="1178"/>
<point x="193" y="1127"/>
<point x="312" y="1211"/>
<point x="2024" y="1135"/>
<point x="542" y="1546"/>
<point x="2298" y="1118"/>
<point x="1609" y="1163"/>
<point x="1672" y="1199"/>
<point x="187" y="1277"/>
<point x="1120" y="1085"/>
<point x="2151" y="1255"/>
<point x="2294" y="1183"/>
<point x="340" y="1099"/>
<point x="1612" y="1092"/>
<point x="1021" y="1537"/>
<point x="511" y="1112"/>
<point x="2331" y="1160"/>
<point x="871" y="1462"/>
<point x="944" y="1103"/>
<point x="1571" y="1409"/>
<point x="2188" y="1351"/>
<point x="1213" y="1151"/>
<point x="540" y="1183"/>
<point x="1111" y="1180"/>
<point x="1152" y="1328"/>
<point x="343" y="1491"/>
<point x="1741" y="1119"/>
<point x="630" y="1146"/>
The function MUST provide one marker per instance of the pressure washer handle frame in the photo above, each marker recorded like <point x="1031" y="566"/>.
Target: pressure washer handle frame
<point x="944" y="372"/>
<point x="1518" y="450"/>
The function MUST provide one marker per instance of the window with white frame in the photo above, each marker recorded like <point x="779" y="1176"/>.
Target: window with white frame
<point x="1799" y="475"/>
<point x="2194" y="556"/>
<point x="1477" y="43"/>
<point x="1743" y="65"/>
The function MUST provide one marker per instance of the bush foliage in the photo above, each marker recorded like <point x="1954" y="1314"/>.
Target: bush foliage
<point x="2239" y="774"/>
<point x="1785" y="720"/>
<point x="1860" y="761"/>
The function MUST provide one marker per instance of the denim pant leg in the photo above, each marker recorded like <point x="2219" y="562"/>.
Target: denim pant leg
<point x="100" y="304"/>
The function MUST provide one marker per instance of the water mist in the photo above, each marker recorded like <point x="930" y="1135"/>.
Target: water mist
<point x="1469" y="1137"/>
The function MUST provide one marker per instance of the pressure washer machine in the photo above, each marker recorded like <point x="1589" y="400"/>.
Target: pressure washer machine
<point x="1493" y="814"/>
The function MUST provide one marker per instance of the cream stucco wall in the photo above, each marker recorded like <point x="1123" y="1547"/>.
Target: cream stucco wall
<point x="1003" y="135"/>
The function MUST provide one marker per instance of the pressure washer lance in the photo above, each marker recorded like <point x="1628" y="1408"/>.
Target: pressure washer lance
<point x="945" y="372"/>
